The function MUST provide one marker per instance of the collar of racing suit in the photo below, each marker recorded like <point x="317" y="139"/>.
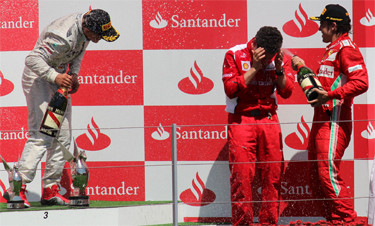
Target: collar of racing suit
<point x="79" y="25"/>
<point x="337" y="41"/>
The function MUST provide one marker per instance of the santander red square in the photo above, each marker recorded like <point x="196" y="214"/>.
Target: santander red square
<point x="312" y="58"/>
<point x="6" y="86"/>
<point x="364" y="132"/>
<point x="13" y="132"/>
<point x="364" y="23"/>
<point x="201" y="133"/>
<point x="19" y="29"/>
<point x="110" y="181"/>
<point x="296" y="187"/>
<point x="186" y="24"/>
<point x="110" y="78"/>
<point x="296" y="190"/>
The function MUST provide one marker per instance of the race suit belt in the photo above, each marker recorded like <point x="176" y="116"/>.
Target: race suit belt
<point x="259" y="112"/>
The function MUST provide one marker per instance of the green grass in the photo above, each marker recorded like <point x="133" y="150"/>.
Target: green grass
<point x="35" y="206"/>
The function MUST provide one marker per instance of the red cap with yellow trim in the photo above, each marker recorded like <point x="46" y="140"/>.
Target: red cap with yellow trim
<point x="98" y="21"/>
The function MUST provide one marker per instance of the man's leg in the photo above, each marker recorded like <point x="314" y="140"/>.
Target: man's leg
<point x="270" y="150"/>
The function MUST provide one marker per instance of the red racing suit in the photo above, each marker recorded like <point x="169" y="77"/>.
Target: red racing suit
<point x="254" y="133"/>
<point x="343" y="75"/>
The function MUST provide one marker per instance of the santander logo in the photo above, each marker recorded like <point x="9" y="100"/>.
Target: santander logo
<point x="198" y="195"/>
<point x="368" y="20"/>
<point x="178" y="21"/>
<point x="368" y="133"/>
<point x="158" y="22"/>
<point x="160" y="133"/>
<point x="299" y="140"/>
<point x="93" y="139"/>
<point x="195" y="83"/>
<point x="300" y="26"/>
<point x="6" y="86"/>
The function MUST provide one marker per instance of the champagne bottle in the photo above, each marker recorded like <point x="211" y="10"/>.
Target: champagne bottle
<point x="54" y="114"/>
<point x="307" y="80"/>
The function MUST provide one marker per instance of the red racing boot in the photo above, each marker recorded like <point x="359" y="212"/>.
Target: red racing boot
<point x="51" y="196"/>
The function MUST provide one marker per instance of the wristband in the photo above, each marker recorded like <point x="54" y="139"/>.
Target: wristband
<point x="280" y="73"/>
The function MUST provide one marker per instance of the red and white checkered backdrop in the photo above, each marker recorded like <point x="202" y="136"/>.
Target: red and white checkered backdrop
<point x="166" y="68"/>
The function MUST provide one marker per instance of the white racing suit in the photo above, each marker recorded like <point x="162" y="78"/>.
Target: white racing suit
<point x="371" y="202"/>
<point x="60" y="47"/>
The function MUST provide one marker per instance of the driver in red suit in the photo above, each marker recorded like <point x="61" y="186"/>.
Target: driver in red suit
<point x="343" y="76"/>
<point x="252" y="73"/>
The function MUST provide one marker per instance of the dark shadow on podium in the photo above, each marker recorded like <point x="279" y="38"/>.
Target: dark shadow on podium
<point x="222" y="201"/>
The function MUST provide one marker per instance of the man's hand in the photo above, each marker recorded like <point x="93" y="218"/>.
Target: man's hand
<point x="322" y="98"/>
<point x="279" y="60"/>
<point x="64" y="80"/>
<point x="75" y="84"/>
<point x="68" y="81"/>
<point x="296" y="61"/>
<point x="258" y="55"/>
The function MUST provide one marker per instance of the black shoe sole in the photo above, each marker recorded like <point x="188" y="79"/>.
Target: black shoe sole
<point x="53" y="202"/>
<point x="6" y="196"/>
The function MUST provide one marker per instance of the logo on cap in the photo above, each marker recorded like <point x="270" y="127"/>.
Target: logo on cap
<point x="106" y="26"/>
<point x="324" y="11"/>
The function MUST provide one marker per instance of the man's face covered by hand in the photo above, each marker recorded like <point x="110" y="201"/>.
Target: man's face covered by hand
<point x="261" y="56"/>
<point x="269" y="41"/>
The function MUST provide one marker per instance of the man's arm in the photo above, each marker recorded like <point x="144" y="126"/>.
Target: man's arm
<point x="285" y="82"/>
<point x="233" y="81"/>
<point x="353" y="66"/>
<point x="38" y="60"/>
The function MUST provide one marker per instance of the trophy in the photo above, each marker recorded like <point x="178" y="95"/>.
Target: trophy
<point x="13" y="198"/>
<point x="80" y="177"/>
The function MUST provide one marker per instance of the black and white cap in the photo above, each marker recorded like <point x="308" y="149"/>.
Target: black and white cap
<point x="98" y="21"/>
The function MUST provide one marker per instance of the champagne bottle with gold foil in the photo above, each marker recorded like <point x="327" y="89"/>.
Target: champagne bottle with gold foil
<point x="54" y="114"/>
<point x="308" y="81"/>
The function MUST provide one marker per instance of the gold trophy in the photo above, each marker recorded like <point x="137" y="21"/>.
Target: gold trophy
<point x="13" y="198"/>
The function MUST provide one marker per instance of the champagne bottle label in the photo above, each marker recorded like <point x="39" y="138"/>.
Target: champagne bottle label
<point x="54" y="114"/>
<point x="305" y="82"/>
<point x="308" y="84"/>
<point x="52" y="122"/>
